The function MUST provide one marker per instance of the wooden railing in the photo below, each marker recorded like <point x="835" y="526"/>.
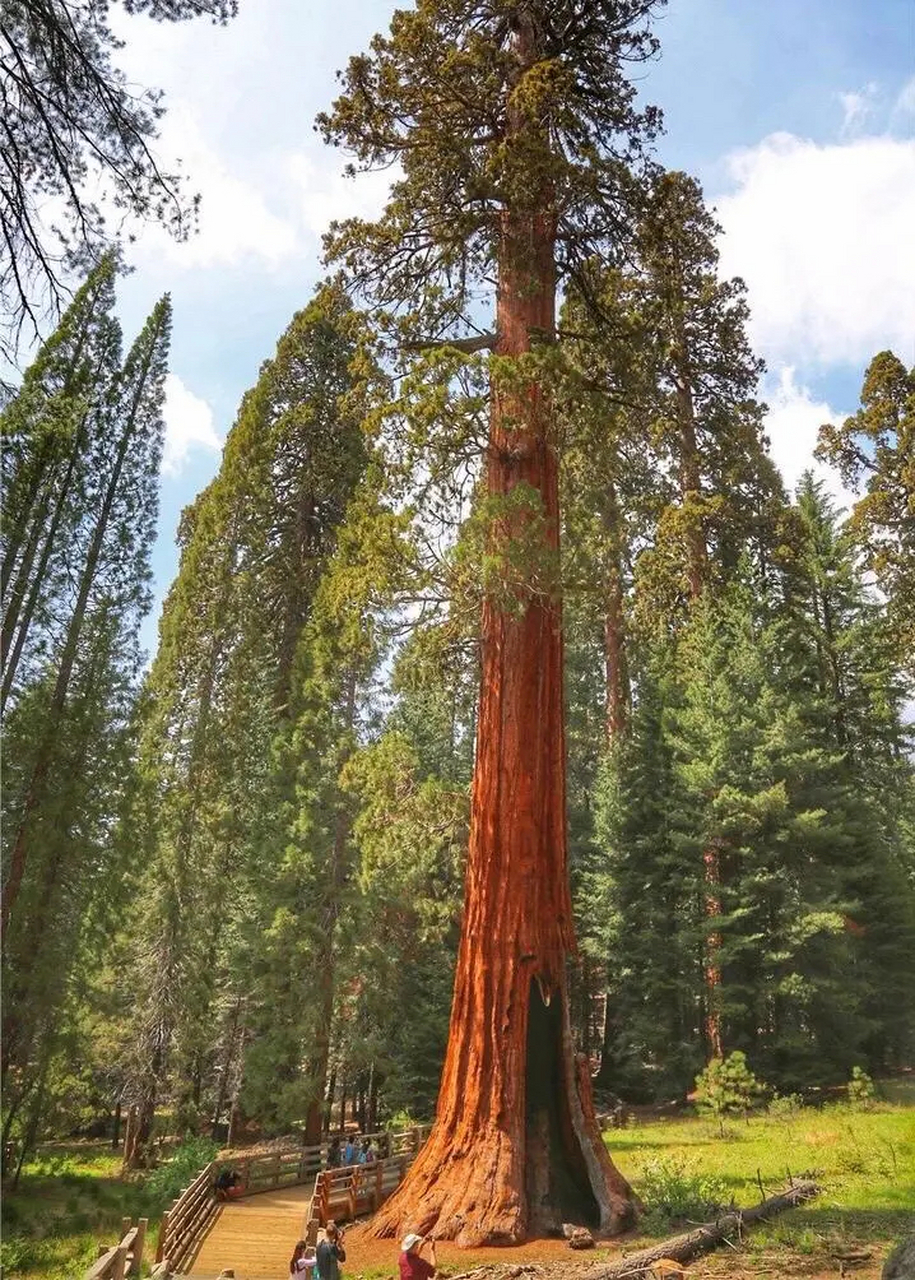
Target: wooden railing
<point x="345" y="1194"/>
<point x="122" y="1259"/>
<point x="352" y="1190"/>
<point x="186" y="1222"/>
<point x="188" y="1219"/>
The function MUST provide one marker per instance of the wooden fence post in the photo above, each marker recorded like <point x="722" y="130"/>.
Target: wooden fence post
<point x="163" y="1228"/>
<point x="119" y="1264"/>
<point x="138" y="1246"/>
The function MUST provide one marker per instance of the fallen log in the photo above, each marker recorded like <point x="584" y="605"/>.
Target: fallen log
<point x="701" y="1239"/>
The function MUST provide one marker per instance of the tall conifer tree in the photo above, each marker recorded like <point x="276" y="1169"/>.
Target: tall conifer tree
<point x="254" y="546"/>
<point x="70" y="733"/>
<point x="512" y="124"/>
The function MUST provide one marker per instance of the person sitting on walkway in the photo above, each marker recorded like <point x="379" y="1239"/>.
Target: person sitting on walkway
<point x="412" y="1265"/>
<point x="302" y="1260"/>
<point x="227" y="1181"/>
<point x="330" y="1253"/>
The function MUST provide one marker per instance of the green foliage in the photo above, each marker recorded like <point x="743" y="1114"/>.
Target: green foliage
<point x="223" y="696"/>
<point x="447" y="95"/>
<point x="874" y="451"/>
<point x="67" y="1200"/>
<point x="169" y="1179"/>
<point x="785" y="1106"/>
<point x="870" y="1203"/>
<point x="86" y="438"/>
<point x="860" y="1088"/>
<point x="676" y="1191"/>
<point x="727" y="1087"/>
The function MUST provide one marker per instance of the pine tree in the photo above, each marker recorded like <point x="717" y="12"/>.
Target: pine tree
<point x="668" y="482"/>
<point x="71" y="731"/>
<point x="47" y="431"/>
<point x="254" y="546"/>
<point x="875" y="449"/>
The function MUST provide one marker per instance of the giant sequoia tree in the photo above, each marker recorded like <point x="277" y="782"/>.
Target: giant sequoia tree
<point x="513" y="124"/>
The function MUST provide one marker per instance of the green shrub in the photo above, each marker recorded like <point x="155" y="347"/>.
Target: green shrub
<point x="785" y="1106"/>
<point x="675" y="1191"/>
<point x="169" y="1179"/>
<point x="727" y="1086"/>
<point x="15" y="1254"/>
<point x="400" y="1120"/>
<point x="860" y="1089"/>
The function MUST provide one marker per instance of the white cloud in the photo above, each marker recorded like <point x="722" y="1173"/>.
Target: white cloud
<point x="792" y="424"/>
<point x="188" y="425"/>
<point x="857" y="108"/>
<point x="822" y="235"/>
<point x="235" y="221"/>
<point x="325" y="194"/>
<point x="904" y="106"/>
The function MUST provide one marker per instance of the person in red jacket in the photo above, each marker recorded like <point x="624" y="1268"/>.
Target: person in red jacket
<point x="412" y="1265"/>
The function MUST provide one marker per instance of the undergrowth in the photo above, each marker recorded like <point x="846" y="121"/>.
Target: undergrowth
<point x="71" y="1198"/>
<point x="863" y="1160"/>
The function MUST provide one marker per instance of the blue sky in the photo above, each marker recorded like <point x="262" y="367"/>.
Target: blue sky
<point x="798" y="116"/>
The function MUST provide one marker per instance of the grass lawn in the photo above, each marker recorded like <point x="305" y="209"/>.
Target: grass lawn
<point x="68" y="1200"/>
<point x="71" y="1197"/>
<point x="864" y="1162"/>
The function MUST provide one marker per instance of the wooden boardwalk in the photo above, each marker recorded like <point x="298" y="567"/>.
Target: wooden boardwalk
<point x="255" y="1236"/>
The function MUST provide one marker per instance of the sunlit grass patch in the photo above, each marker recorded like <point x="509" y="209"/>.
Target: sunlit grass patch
<point x="864" y="1161"/>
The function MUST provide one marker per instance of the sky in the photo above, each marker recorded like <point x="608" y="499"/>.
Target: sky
<point x="797" y="116"/>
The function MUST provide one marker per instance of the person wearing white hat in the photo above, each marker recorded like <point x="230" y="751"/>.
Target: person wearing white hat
<point x="412" y="1265"/>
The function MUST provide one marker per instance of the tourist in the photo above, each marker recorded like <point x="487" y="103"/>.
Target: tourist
<point x="349" y="1152"/>
<point x="367" y="1154"/>
<point x="330" y="1253"/>
<point x="302" y="1260"/>
<point x="334" y="1155"/>
<point x="226" y="1185"/>
<point x="412" y="1265"/>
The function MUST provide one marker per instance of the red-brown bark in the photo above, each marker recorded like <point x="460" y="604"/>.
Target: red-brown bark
<point x="515" y="1148"/>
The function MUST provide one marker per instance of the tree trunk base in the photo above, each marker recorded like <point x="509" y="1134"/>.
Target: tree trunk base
<point x="478" y="1184"/>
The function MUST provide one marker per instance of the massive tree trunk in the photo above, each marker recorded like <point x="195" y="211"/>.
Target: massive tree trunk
<point x="515" y="1149"/>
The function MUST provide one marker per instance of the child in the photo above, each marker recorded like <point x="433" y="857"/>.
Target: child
<point x="303" y="1260"/>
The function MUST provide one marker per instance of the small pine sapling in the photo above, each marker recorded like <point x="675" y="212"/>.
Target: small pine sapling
<point x="860" y="1089"/>
<point x="727" y="1086"/>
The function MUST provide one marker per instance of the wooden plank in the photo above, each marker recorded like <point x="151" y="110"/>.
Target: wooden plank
<point x="118" y="1263"/>
<point x="163" y="1231"/>
<point x="139" y="1244"/>
<point x="100" y="1269"/>
<point x="254" y="1236"/>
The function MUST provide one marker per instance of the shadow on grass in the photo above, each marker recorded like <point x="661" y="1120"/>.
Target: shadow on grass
<point x="887" y="1222"/>
<point x="688" y="1140"/>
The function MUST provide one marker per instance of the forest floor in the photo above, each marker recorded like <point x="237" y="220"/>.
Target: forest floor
<point x="863" y="1160"/>
<point x="71" y="1197"/>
